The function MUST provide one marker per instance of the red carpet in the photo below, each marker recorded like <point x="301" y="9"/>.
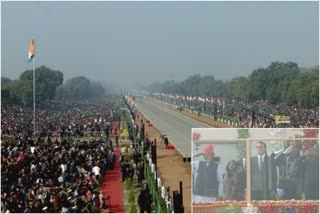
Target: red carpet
<point x="116" y="129"/>
<point x="111" y="185"/>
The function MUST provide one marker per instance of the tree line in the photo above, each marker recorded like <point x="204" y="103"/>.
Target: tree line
<point x="49" y="85"/>
<point x="278" y="83"/>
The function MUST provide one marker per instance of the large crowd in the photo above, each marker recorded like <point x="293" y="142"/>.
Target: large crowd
<point x="54" y="171"/>
<point x="300" y="117"/>
<point x="68" y="118"/>
<point x="259" y="114"/>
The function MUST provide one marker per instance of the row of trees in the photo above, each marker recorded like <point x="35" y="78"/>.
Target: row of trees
<point x="278" y="83"/>
<point x="79" y="87"/>
<point x="49" y="85"/>
<point x="20" y="91"/>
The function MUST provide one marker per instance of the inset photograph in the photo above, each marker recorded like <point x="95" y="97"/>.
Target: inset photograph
<point x="255" y="170"/>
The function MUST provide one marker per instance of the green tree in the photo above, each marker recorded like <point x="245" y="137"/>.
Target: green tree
<point x="257" y="84"/>
<point x="47" y="81"/>
<point x="21" y="91"/>
<point x="304" y="89"/>
<point x="238" y="87"/>
<point x="5" y="80"/>
<point x="281" y="76"/>
<point x="79" y="87"/>
<point x="191" y="85"/>
<point x="280" y="82"/>
<point x="5" y="90"/>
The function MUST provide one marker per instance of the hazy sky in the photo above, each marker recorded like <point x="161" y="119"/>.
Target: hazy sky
<point x="124" y="43"/>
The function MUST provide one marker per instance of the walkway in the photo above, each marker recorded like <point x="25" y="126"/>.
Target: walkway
<point x="111" y="185"/>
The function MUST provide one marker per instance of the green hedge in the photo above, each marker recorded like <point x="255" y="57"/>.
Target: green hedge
<point x="128" y="184"/>
<point x="133" y="208"/>
<point x="160" y="202"/>
<point x="131" y="195"/>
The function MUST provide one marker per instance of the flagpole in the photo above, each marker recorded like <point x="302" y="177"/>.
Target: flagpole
<point x="34" y="99"/>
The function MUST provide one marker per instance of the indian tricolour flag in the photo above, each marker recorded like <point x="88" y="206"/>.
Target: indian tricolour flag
<point x="31" y="52"/>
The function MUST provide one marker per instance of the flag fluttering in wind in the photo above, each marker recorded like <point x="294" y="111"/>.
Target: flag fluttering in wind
<point x="31" y="52"/>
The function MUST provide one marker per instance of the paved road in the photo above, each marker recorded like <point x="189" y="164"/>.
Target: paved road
<point x="176" y="126"/>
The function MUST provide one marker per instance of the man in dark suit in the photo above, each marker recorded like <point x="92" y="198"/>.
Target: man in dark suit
<point x="263" y="174"/>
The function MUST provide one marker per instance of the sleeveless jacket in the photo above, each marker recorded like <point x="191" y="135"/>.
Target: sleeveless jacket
<point x="207" y="181"/>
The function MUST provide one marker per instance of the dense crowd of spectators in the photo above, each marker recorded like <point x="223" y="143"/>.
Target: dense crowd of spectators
<point x="265" y="114"/>
<point x="68" y="118"/>
<point x="47" y="175"/>
<point x="259" y="114"/>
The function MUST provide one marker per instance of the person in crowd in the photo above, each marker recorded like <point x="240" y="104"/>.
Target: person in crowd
<point x="140" y="171"/>
<point x="234" y="182"/>
<point x="145" y="199"/>
<point x="240" y="111"/>
<point x="291" y="169"/>
<point x="130" y="171"/>
<point x="263" y="174"/>
<point x="52" y="174"/>
<point x="208" y="183"/>
<point x="310" y="153"/>
<point x="102" y="201"/>
<point x="124" y="169"/>
<point x="96" y="170"/>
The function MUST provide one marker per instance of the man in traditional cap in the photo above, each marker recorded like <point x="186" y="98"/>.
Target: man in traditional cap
<point x="208" y="174"/>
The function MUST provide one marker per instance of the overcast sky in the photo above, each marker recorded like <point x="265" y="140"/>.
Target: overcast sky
<point x="124" y="43"/>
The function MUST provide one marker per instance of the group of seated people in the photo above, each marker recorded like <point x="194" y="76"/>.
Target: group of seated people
<point x="45" y="176"/>
<point x="55" y="174"/>
<point x="72" y="118"/>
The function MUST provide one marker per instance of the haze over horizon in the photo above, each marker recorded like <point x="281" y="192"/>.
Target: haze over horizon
<point x="125" y="43"/>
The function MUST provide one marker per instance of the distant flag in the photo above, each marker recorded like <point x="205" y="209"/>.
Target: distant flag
<point x="31" y="52"/>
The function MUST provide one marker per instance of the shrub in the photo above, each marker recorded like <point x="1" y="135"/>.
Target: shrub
<point x="133" y="208"/>
<point x="128" y="184"/>
<point x="131" y="195"/>
<point x="126" y="150"/>
<point x="162" y="202"/>
<point x="232" y="209"/>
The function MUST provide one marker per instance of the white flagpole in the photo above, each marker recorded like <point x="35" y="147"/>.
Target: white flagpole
<point x="34" y="99"/>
